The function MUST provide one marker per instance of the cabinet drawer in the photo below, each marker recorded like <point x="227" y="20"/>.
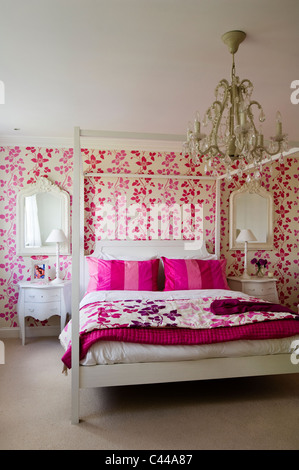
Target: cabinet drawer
<point x="41" y="311"/>
<point x="42" y="295"/>
<point x="260" y="289"/>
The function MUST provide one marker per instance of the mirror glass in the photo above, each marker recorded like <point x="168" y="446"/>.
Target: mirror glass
<point x="41" y="207"/>
<point x="251" y="209"/>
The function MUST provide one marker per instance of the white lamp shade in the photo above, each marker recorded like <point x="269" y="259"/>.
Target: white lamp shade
<point x="245" y="235"/>
<point x="57" y="235"/>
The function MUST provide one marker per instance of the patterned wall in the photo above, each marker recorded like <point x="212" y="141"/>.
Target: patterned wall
<point x="281" y="179"/>
<point x="20" y="166"/>
<point x="143" y="195"/>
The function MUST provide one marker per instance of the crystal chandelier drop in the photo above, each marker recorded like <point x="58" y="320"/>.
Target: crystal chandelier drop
<point x="230" y="137"/>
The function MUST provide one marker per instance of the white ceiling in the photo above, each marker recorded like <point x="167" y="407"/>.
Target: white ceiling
<point x="139" y="65"/>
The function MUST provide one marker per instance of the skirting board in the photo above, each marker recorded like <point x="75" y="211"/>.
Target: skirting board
<point x="30" y="332"/>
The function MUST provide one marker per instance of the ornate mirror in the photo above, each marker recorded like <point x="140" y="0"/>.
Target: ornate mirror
<point x="251" y="208"/>
<point x="41" y="207"/>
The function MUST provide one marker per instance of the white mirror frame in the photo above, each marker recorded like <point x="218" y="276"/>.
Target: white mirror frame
<point x="233" y="244"/>
<point x="42" y="185"/>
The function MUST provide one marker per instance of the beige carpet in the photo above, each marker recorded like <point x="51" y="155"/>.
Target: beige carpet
<point x="247" y="413"/>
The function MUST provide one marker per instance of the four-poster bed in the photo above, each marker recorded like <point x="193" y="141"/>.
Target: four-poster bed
<point x="249" y="362"/>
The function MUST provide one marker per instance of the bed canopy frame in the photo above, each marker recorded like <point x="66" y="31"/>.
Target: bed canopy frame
<point x="143" y="373"/>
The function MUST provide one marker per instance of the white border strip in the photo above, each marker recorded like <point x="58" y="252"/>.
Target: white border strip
<point x="266" y="160"/>
<point x="104" y="141"/>
<point x="154" y="176"/>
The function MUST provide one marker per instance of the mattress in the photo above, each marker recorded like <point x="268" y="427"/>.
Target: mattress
<point x="120" y="352"/>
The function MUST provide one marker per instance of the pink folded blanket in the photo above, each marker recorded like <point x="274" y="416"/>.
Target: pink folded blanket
<point x="233" y="306"/>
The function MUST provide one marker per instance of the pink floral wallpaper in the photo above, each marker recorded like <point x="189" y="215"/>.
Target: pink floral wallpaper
<point x="281" y="179"/>
<point x="141" y="196"/>
<point x="20" y="166"/>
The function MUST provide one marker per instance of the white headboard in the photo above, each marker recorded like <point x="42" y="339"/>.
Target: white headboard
<point x="146" y="249"/>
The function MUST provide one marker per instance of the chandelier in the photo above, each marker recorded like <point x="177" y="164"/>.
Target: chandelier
<point x="230" y="138"/>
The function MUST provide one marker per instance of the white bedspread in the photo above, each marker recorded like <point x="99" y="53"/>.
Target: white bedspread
<point x="157" y="295"/>
<point x="113" y="352"/>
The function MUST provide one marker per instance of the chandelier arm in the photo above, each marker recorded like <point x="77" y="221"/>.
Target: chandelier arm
<point x="217" y="118"/>
<point x="257" y="153"/>
<point x="250" y="116"/>
<point x="218" y="115"/>
<point x="233" y="113"/>
<point x="213" y="151"/>
<point x="245" y="84"/>
<point x="240" y="144"/>
<point x="252" y="103"/>
<point x="274" y="152"/>
<point x="223" y="83"/>
<point x="262" y="147"/>
<point x="222" y="104"/>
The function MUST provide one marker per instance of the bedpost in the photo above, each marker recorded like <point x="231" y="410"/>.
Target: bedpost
<point x="217" y="220"/>
<point x="76" y="276"/>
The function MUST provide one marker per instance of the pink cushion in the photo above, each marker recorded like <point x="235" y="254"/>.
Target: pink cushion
<point x="122" y="275"/>
<point x="182" y="274"/>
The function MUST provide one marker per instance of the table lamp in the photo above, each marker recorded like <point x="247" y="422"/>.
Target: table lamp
<point x="57" y="236"/>
<point x="245" y="236"/>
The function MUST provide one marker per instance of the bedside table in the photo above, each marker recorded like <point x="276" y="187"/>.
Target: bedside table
<point x="261" y="287"/>
<point x="42" y="301"/>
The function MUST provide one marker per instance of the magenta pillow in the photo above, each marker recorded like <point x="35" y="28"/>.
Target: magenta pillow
<point x="122" y="275"/>
<point x="182" y="274"/>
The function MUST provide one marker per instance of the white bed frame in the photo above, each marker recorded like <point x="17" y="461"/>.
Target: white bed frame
<point x="143" y="373"/>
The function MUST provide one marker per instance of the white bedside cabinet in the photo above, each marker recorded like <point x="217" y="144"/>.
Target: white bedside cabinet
<point x="42" y="301"/>
<point x="261" y="287"/>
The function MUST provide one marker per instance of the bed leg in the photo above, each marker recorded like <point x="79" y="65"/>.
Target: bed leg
<point x="75" y="399"/>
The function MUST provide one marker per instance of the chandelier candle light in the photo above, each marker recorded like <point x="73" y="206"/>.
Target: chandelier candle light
<point x="57" y="236"/>
<point x="232" y="136"/>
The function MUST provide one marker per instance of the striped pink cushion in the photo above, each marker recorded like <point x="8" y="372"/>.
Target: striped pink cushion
<point x="182" y="274"/>
<point x="122" y="275"/>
